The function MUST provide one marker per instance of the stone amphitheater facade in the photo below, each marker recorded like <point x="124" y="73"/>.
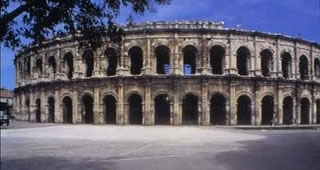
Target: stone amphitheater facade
<point x="172" y="73"/>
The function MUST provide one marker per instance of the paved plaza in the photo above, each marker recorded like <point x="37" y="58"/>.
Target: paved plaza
<point x="59" y="146"/>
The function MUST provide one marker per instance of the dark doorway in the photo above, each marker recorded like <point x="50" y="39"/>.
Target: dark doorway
<point x="303" y="67"/>
<point x="267" y="107"/>
<point x="244" y="110"/>
<point x="67" y="110"/>
<point x="88" y="60"/>
<point x="304" y="110"/>
<point x="162" y="110"/>
<point x="87" y="103"/>
<point x="163" y="59"/>
<point x="68" y="62"/>
<point x="38" y="110"/>
<point x="243" y="56"/>
<point x="216" y="59"/>
<point x="28" y="109"/>
<point x="317" y="67"/>
<point x="112" y="61"/>
<point x="286" y="65"/>
<point x="135" y="109"/>
<point x="266" y="62"/>
<point x="51" y="110"/>
<point x="189" y="59"/>
<point x="110" y="107"/>
<point x="218" y="110"/>
<point x="39" y="66"/>
<point x="136" y="59"/>
<point x="52" y="64"/>
<point x="287" y="109"/>
<point x="190" y="110"/>
<point x="318" y="111"/>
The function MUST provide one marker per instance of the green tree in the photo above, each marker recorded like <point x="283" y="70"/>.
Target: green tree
<point x="42" y="19"/>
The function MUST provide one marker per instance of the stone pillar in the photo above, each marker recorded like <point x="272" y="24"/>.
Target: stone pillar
<point x="32" y="107"/>
<point x="58" y="106"/>
<point x="44" y="115"/>
<point x="148" y="117"/>
<point x="295" y="64"/>
<point x="256" y="63"/>
<point x="120" y="104"/>
<point x="147" y="56"/>
<point x="280" y="98"/>
<point x="205" y="56"/>
<point x="253" y="114"/>
<point x="171" y="113"/>
<point x="205" y="106"/>
<point x="312" y="75"/>
<point x="233" y="104"/>
<point x="76" y="107"/>
<point x="97" y="117"/>
<point x="176" y="66"/>
<point x="298" y="113"/>
<point x="232" y="59"/>
<point x="177" y="115"/>
<point x="277" y="61"/>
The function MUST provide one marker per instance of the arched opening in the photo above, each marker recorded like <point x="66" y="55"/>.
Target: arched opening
<point x="136" y="60"/>
<point x="303" y="67"/>
<point x="189" y="59"/>
<point x="243" y="57"/>
<point x="135" y="109"/>
<point x="318" y="111"/>
<point x="68" y="63"/>
<point x="218" y="110"/>
<point x="27" y="103"/>
<point x="244" y="110"/>
<point x="51" y="110"/>
<point x="266" y="62"/>
<point x="287" y="109"/>
<point x="267" y="107"/>
<point x="286" y="64"/>
<point x="317" y="67"/>
<point x="38" y="110"/>
<point x="111" y="61"/>
<point x="87" y="103"/>
<point x="190" y="110"/>
<point x="217" y="54"/>
<point x="52" y="65"/>
<point x="38" y="66"/>
<point x="162" y="110"/>
<point x="304" y="110"/>
<point x="163" y="59"/>
<point x="88" y="59"/>
<point x="110" y="109"/>
<point x="67" y="109"/>
<point x="28" y="66"/>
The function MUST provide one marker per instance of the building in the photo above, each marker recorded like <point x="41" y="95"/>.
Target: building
<point x="172" y="73"/>
<point x="6" y="99"/>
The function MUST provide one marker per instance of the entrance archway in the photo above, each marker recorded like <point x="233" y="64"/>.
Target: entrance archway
<point x="38" y="110"/>
<point x="162" y="110"/>
<point x="163" y="59"/>
<point x="318" y="111"/>
<point x="190" y="110"/>
<point x="267" y="109"/>
<point x="244" y="110"/>
<point x="217" y="54"/>
<point x="135" y="109"/>
<point x="67" y="109"/>
<point x="287" y="109"/>
<point x="218" y="110"/>
<point x="110" y="109"/>
<point x="304" y="110"/>
<point x="51" y="110"/>
<point x="189" y="59"/>
<point x="87" y="103"/>
<point x="136" y="60"/>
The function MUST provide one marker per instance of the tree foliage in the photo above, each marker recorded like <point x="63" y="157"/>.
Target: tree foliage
<point x="42" y="19"/>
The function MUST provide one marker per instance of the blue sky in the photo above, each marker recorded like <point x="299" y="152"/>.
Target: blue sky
<point x="289" y="17"/>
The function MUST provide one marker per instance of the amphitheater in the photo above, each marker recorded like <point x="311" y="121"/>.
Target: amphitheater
<point x="172" y="73"/>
